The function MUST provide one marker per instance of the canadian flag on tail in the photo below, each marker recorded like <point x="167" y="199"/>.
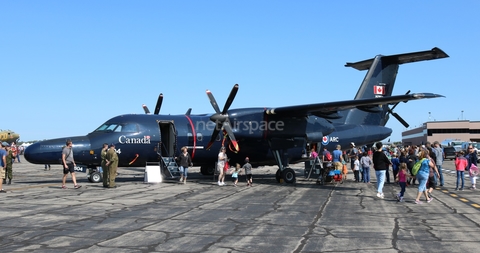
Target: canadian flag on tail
<point x="378" y="90"/>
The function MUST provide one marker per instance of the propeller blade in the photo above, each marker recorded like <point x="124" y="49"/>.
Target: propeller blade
<point x="404" y="123"/>
<point x="217" y="129"/>
<point x="395" y="105"/>
<point x="221" y="118"/>
<point x="230" y="99"/>
<point x="159" y="104"/>
<point x="213" y="101"/>
<point x="390" y="110"/>
<point x="231" y="136"/>
<point x="145" y="108"/>
<point x="228" y="129"/>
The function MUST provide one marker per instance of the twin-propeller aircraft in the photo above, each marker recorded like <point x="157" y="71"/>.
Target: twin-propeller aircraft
<point x="268" y="136"/>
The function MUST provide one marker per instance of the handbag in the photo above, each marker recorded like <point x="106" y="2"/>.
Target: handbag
<point x="473" y="170"/>
<point x="226" y="167"/>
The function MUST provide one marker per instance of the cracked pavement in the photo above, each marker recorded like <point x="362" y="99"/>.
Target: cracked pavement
<point x="200" y="216"/>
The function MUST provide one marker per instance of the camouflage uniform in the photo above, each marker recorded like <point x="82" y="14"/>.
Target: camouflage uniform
<point x="8" y="171"/>
<point x="112" y="158"/>
<point x="104" y="167"/>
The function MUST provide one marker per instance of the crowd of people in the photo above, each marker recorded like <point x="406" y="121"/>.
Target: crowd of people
<point x="403" y="160"/>
<point x="428" y="160"/>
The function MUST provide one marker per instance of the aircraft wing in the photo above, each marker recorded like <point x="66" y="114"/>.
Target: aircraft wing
<point x="330" y="109"/>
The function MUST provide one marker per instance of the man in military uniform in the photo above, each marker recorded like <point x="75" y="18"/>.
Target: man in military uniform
<point x="112" y="163"/>
<point x="3" y="165"/>
<point x="10" y="158"/>
<point x="104" y="164"/>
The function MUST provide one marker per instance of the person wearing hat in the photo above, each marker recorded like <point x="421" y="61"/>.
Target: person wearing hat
<point x="112" y="164"/>
<point x="10" y="158"/>
<point x="3" y="165"/>
<point x="103" y="155"/>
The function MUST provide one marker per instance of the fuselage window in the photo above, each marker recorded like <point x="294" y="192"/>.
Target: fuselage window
<point x="129" y="127"/>
<point x="111" y="127"/>
<point x="106" y="128"/>
<point x="199" y="137"/>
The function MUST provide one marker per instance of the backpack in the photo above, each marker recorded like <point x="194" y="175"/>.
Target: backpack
<point x="417" y="166"/>
<point x="328" y="156"/>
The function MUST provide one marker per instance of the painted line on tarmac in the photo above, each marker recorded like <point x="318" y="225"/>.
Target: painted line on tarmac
<point x="464" y="200"/>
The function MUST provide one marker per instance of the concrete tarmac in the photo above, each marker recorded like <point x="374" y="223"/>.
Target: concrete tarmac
<point x="200" y="216"/>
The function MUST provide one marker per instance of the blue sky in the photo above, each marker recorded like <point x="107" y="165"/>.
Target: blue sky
<point x="68" y="66"/>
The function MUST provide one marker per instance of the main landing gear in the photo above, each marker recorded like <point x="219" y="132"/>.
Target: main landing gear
<point x="94" y="175"/>
<point x="288" y="176"/>
<point x="207" y="170"/>
<point x="284" y="172"/>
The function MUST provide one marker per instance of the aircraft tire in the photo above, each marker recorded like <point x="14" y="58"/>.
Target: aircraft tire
<point x="278" y="175"/>
<point x="289" y="176"/>
<point x="207" y="171"/>
<point x="95" y="177"/>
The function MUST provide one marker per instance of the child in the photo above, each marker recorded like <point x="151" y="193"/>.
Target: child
<point x="460" y="164"/>
<point x="356" y="169"/>
<point x="235" y="173"/>
<point x="395" y="166"/>
<point x="402" y="180"/>
<point x="248" y="171"/>
<point x="366" y="162"/>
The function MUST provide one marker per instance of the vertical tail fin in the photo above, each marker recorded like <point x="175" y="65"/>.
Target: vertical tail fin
<point x="379" y="82"/>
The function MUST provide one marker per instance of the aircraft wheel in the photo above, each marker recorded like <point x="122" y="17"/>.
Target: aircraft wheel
<point x="289" y="176"/>
<point x="95" y="177"/>
<point x="207" y="171"/>
<point x="278" y="175"/>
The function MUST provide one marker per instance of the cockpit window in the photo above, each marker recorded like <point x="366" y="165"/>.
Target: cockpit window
<point x="129" y="127"/>
<point x="113" y="127"/>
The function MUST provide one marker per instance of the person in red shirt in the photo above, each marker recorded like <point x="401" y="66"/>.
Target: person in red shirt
<point x="460" y="164"/>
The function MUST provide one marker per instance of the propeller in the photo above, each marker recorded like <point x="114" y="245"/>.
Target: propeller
<point x="145" y="108"/>
<point x="394" y="114"/>
<point x="157" y="107"/>
<point x="222" y="122"/>
<point x="159" y="104"/>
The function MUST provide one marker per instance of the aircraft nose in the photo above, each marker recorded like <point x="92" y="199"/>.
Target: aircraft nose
<point x="50" y="151"/>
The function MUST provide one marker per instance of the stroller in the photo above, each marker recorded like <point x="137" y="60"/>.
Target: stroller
<point x="327" y="174"/>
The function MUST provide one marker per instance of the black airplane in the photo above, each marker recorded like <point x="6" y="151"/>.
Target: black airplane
<point x="268" y="136"/>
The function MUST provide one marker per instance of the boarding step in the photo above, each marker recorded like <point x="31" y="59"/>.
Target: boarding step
<point x="170" y="167"/>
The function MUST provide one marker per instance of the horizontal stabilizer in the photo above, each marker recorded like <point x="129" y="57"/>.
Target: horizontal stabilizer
<point x="435" y="53"/>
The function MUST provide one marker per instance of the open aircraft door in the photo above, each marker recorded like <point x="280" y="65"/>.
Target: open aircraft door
<point x="167" y="148"/>
<point x="168" y="138"/>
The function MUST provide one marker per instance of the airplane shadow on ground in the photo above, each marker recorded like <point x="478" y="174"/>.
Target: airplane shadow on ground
<point x="262" y="179"/>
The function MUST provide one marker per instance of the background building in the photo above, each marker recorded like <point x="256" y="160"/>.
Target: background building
<point x="431" y="131"/>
